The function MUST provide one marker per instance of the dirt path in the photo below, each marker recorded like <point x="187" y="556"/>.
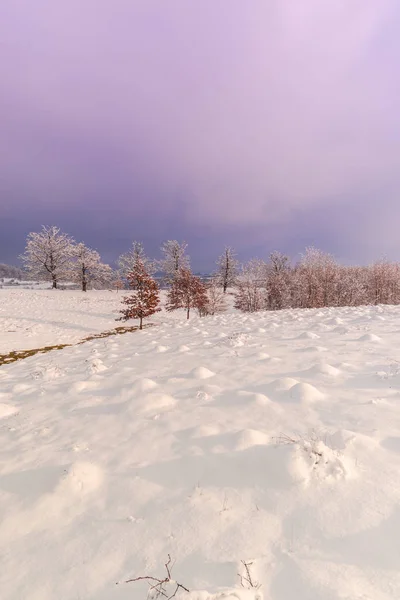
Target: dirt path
<point x="15" y="355"/>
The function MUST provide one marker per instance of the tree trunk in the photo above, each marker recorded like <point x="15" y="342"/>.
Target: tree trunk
<point x="187" y="312"/>
<point x="84" y="286"/>
<point x="141" y="323"/>
<point x="54" y="278"/>
<point x="225" y="286"/>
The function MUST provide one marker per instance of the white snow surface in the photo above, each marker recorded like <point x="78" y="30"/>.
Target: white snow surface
<point x="243" y="439"/>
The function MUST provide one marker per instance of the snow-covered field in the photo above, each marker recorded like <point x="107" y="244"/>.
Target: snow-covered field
<point x="36" y="318"/>
<point x="272" y="439"/>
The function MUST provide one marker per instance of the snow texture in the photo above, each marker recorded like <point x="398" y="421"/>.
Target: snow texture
<point x="219" y="440"/>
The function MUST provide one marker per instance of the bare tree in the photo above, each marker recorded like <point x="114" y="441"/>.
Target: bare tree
<point x="48" y="254"/>
<point x="87" y="269"/>
<point x="251" y="293"/>
<point x="175" y="259"/>
<point x="127" y="261"/>
<point x="227" y="268"/>
<point x="318" y="275"/>
<point x="278" y="287"/>
<point x="216" y="302"/>
<point x="10" y="272"/>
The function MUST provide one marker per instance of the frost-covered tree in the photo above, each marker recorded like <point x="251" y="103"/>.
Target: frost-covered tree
<point x="278" y="272"/>
<point x="216" y="300"/>
<point x="145" y="299"/>
<point x="187" y="291"/>
<point x="384" y="282"/>
<point x="174" y="259"/>
<point x="10" y="272"/>
<point x="317" y="275"/>
<point x="250" y="289"/>
<point x="48" y="254"/>
<point x="127" y="261"/>
<point x="227" y="268"/>
<point x="86" y="268"/>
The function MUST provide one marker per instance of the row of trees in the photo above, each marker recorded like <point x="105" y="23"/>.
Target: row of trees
<point x="51" y="255"/>
<point x="317" y="280"/>
<point x="10" y="272"/>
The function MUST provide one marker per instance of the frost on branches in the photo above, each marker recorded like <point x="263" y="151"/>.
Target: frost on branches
<point x="127" y="261"/>
<point x="250" y="295"/>
<point x="145" y="299"/>
<point x="187" y="291"/>
<point x="87" y="269"/>
<point x="175" y="259"/>
<point x="216" y="302"/>
<point x="227" y="268"/>
<point x="48" y="254"/>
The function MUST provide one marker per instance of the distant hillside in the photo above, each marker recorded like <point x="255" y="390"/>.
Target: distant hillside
<point x="10" y="272"/>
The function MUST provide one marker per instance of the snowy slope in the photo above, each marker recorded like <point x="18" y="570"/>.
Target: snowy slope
<point x="270" y="438"/>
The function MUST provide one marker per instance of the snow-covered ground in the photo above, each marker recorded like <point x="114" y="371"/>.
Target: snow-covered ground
<point x="36" y="318"/>
<point x="272" y="439"/>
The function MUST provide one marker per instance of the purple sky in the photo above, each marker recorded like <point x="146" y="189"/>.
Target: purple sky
<point x="266" y="124"/>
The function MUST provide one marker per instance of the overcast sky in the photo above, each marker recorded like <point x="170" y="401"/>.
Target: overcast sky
<point x="265" y="124"/>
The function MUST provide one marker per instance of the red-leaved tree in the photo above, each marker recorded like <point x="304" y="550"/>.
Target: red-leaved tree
<point x="145" y="298"/>
<point x="187" y="291"/>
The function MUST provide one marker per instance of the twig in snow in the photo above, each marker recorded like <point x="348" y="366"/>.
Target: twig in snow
<point x="158" y="586"/>
<point x="246" y="579"/>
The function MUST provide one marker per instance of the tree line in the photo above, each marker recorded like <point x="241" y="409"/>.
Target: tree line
<point x="317" y="280"/>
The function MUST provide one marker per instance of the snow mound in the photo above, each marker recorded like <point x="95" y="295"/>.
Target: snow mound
<point x="249" y="438"/>
<point x="263" y="356"/>
<point x="206" y="430"/>
<point x="183" y="348"/>
<point x="157" y="402"/>
<point x="312" y="458"/>
<point x="96" y="365"/>
<point x="238" y="339"/>
<point x="144" y="385"/>
<point x="47" y="372"/>
<point x="341" y="330"/>
<point x="202" y="373"/>
<point x="6" y="410"/>
<point x="313" y="349"/>
<point x="282" y="384"/>
<point x="304" y="392"/>
<point x="324" y="369"/>
<point x="369" y="337"/>
<point x="82" y="478"/>
<point x="335" y="321"/>
<point x="261" y="399"/>
<point x="308" y="335"/>
<point x="161" y="349"/>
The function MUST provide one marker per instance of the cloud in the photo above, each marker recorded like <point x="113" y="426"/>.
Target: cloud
<point x="239" y="114"/>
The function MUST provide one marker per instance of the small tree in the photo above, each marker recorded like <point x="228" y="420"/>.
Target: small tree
<point x="48" y="254"/>
<point x="250" y="295"/>
<point x="127" y="261"/>
<point x="227" y="268"/>
<point x="216" y="302"/>
<point x="118" y="284"/>
<point x="187" y="291"/>
<point x="145" y="300"/>
<point x="87" y="269"/>
<point x="278" y="281"/>
<point x="175" y="259"/>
